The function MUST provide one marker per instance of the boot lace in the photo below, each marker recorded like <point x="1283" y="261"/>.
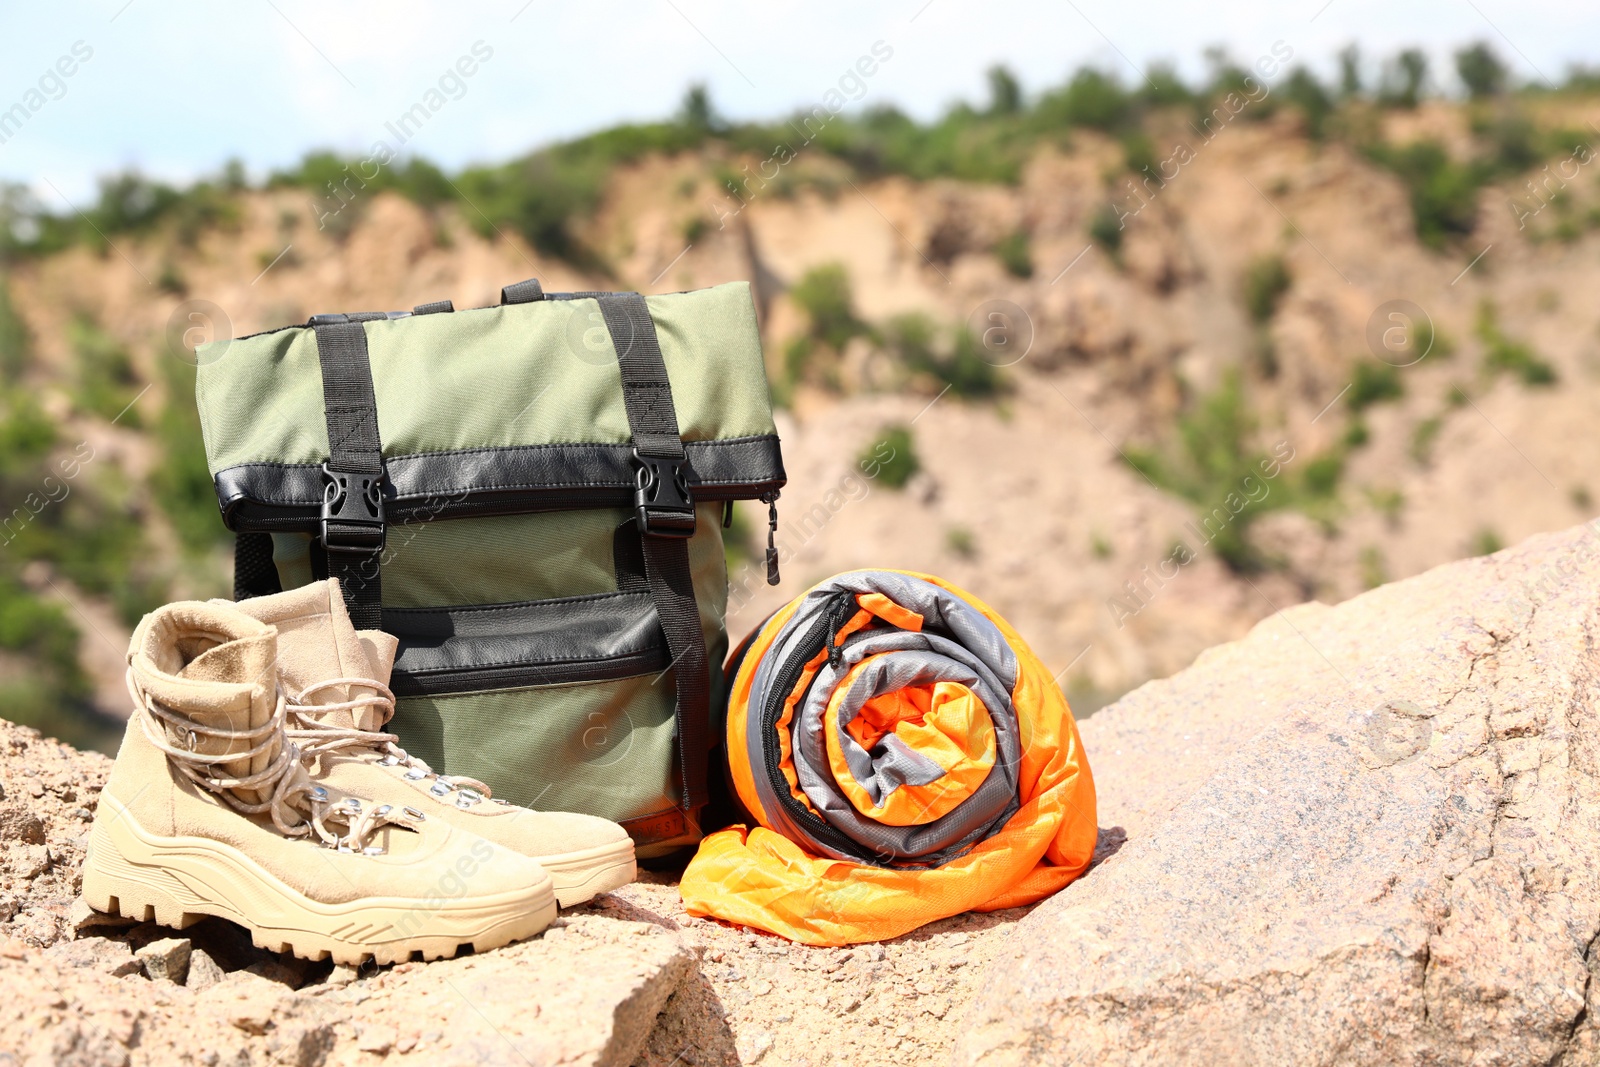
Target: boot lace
<point x="297" y="806"/>
<point x="316" y="736"/>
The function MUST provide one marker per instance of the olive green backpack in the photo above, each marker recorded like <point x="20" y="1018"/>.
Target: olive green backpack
<point x="531" y="497"/>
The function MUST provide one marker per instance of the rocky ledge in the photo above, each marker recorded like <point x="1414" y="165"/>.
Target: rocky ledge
<point x="1364" y="834"/>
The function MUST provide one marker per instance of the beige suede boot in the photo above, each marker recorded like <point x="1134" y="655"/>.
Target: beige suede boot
<point x="210" y="810"/>
<point x="338" y="706"/>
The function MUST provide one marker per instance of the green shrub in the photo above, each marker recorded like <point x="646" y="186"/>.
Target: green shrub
<point x="1356" y="435"/>
<point x="14" y="340"/>
<point x="1389" y="503"/>
<point x="1501" y="353"/>
<point x="106" y="382"/>
<point x="1431" y="342"/>
<point x="1266" y="280"/>
<point x="181" y="482"/>
<point x="959" y="364"/>
<point x="1372" y="383"/>
<point x="1092" y="98"/>
<point x="1443" y="193"/>
<point x="1208" y="461"/>
<point x="1105" y="229"/>
<point x="890" y="457"/>
<point x="823" y="293"/>
<point x="171" y="280"/>
<point x="1322" y="474"/>
<point x="1305" y="92"/>
<point x="960" y="542"/>
<point x="1486" y="542"/>
<point x="1373" y="570"/>
<point x="1138" y="153"/>
<point x="1015" y="254"/>
<point x="1423" y="438"/>
<point x="1163" y="87"/>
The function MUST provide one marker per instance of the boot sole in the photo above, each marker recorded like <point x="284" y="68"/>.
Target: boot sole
<point x="583" y="875"/>
<point x="177" y="881"/>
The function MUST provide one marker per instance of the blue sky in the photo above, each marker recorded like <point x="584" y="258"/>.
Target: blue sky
<point x="175" y="87"/>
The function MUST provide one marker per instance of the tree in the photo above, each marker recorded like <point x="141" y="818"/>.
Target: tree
<point x="1350" y="70"/>
<point x="1481" y="71"/>
<point x="697" y="111"/>
<point x="1005" y="92"/>
<point x="1404" y="78"/>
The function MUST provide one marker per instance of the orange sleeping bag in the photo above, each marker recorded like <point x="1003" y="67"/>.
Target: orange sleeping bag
<point x="904" y="757"/>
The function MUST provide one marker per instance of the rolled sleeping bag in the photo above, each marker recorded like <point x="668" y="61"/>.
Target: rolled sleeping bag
<point x="902" y="756"/>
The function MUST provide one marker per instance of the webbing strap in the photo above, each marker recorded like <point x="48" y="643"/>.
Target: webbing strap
<point x="254" y="572"/>
<point x="352" y="503"/>
<point x="647" y="397"/>
<point x="646" y="392"/>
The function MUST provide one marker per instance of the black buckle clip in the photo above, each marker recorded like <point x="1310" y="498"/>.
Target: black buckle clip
<point x="661" y="500"/>
<point x="355" y="502"/>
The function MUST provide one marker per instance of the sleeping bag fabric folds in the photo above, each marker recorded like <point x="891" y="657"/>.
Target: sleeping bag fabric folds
<point x="904" y="757"/>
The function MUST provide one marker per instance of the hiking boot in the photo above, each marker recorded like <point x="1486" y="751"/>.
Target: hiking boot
<point x="210" y="810"/>
<point x="339" y="704"/>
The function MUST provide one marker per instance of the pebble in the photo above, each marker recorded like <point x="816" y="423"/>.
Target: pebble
<point x="343" y="974"/>
<point x="204" y="971"/>
<point x="378" y="1039"/>
<point x="167" y="959"/>
<point x="12" y="949"/>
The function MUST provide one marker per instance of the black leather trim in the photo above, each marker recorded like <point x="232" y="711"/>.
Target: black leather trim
<point x="536" y="642"/>
<point x="487" y="481"/>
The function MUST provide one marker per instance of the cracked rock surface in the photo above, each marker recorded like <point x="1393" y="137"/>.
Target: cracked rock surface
<point x="1364" y="834"/>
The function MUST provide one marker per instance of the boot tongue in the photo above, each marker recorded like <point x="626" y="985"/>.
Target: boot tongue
<point x="316" y="643"/>
<point x="215" y="667"/>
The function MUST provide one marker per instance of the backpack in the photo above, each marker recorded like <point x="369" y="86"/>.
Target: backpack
<point x="531" y="498"/>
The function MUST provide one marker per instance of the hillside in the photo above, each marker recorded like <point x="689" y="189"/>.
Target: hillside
<point x="1202" y="331"/>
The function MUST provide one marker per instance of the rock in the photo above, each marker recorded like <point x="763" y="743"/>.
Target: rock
<point x="29" y="861"/>
<point x="204" y="972"/>
<point x="753" y="1045"/>
<point x="342" y="975"/>
<point x="1367" y="834"/>
<point x="18" y="824"/>
<point x="97" y="953"/>
<point x="167" y="959"/>
<point x="379" y="1039"/>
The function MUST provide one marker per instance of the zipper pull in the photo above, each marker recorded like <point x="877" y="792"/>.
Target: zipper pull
<point x="771" y="500"/>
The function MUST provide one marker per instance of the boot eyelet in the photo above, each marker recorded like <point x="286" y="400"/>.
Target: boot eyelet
<point x="415" y="775"/>
<point x="416" y="816"/>
<point x="439" y="789"/>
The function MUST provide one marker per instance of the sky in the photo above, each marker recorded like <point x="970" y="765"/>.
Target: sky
<point x="176" y="87"/>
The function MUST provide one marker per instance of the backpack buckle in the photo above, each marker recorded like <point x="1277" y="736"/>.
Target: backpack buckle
<point x="661" y="500"/>
<point x="353" y="504"/>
